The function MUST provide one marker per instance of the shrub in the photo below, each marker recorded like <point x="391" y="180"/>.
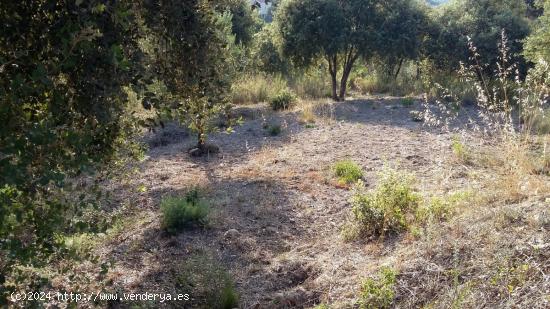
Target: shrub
<point x="386" y="209"/>
<point x="179" y="213"/>
<point x="285" y="99"/>
<point x="538" y="122"/>
<point x="274" y="129"/>
<point x="347" y="171"/>
<point x="208" y="282"/>
<point x="407" y="102"/>
<point x="378" y="293"/>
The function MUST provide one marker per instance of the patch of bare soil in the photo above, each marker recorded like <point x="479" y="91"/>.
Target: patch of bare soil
<point x="277" y="214"/>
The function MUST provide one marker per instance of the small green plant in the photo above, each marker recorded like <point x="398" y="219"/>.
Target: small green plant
<point x="407" y="102"/>
<point x="347" y="171"/>
<point x="179" y="213"/>
<point x="386" y="209"/>
<point x="460" y="150"/>
<point x="378" y="293"/>
<point x="285" y="99"/>
<point x="210" y="285"/>
<point x="274" y="129"/>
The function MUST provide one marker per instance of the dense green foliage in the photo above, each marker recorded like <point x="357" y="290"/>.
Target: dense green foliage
<point x="198" y="88"/>
<point x="63" y="66"/>
<point x="482" y="22"/>
<point x="536" y="45"/>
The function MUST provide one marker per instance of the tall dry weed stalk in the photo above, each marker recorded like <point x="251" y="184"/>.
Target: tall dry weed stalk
<point x="509" y="114"/>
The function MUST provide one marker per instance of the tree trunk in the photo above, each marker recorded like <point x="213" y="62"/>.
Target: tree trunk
<point x="398" y="69"/>
<point x="344" y="85"/>
<point x="348" y="66"/>
<point x="200" y="140"/>
<point x="333" y="69"/>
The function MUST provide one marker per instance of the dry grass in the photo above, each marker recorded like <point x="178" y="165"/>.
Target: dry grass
<point x="318" y="111"/>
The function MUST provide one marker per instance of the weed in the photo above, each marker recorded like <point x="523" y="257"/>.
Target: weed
<point x="182" y="212"/>
<point x="460" y="150"/>
<point x="347" y="171"/>
<point x="378" y="293"/>
<point x="386" y="209"/>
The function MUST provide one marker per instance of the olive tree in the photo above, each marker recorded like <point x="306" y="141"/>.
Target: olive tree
<point x="194" y="60"/>
<point x="339" y="32"/>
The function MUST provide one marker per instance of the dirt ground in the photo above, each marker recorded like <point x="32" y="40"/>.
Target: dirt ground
<point x="277" y="211"/>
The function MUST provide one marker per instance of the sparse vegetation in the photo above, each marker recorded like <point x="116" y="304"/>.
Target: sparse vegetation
<point x="85" y="207"/>
<point x="182" y="212"/>
<point x="207" y="282"/>
<point x="347" y="171"/>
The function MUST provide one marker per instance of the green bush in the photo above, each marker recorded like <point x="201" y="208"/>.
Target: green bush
<point x="347" y="171"/>
<point x="179" y="213"/>
<point x="285" y="99"/>
<point x="386" y="209"/>
<point x="209" y="284"/>
<point x="378" y="293"/>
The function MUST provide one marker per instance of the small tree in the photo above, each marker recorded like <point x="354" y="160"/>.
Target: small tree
<point x="195" y="61"/>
